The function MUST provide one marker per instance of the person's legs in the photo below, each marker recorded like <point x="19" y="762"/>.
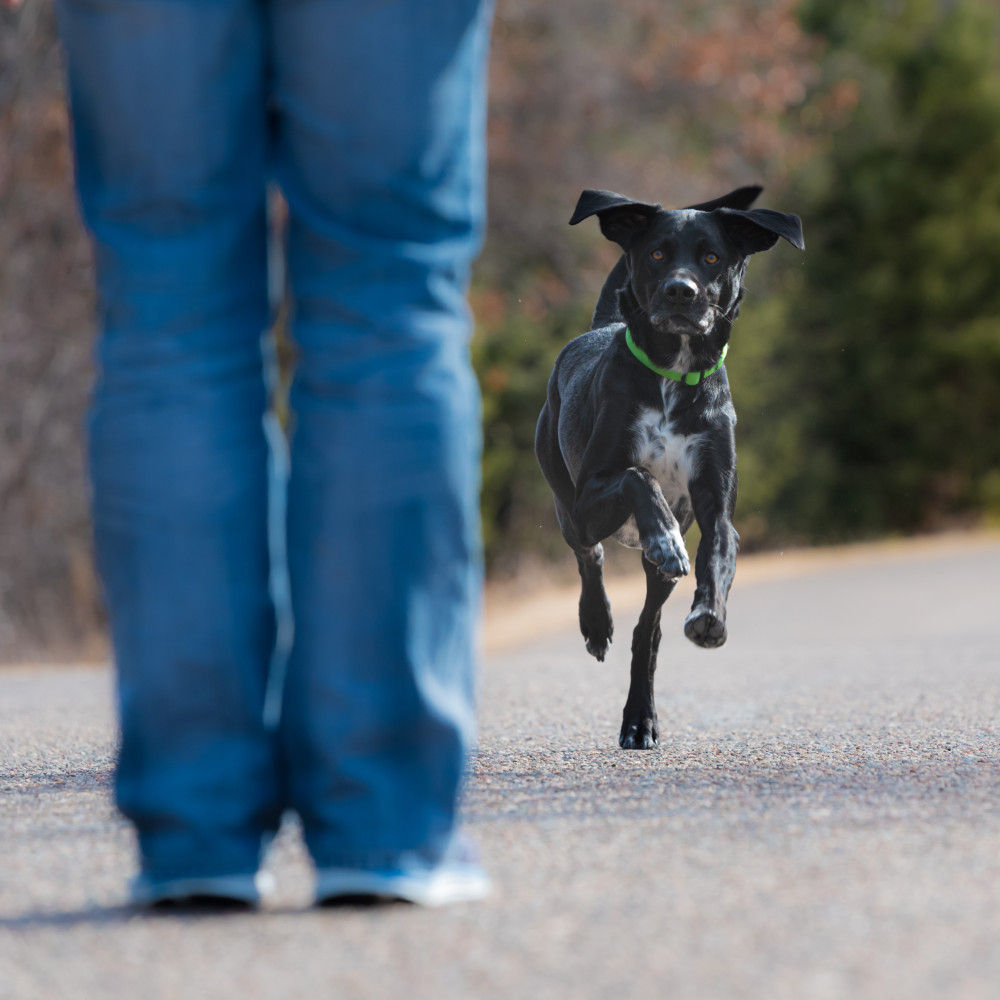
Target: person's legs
<point x="168" y="102"/>
<point x="380" y="152"/>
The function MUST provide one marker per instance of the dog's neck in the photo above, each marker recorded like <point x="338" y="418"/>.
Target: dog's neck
<point x="672" y="350"/>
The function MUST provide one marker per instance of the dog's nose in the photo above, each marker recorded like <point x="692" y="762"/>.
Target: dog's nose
<point x="680" y="289"/>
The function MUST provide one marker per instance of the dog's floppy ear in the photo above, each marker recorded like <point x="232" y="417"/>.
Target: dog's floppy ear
<point x="742" y="197"/>
<point x="621" y="218"/>
<point x="759" y="228"/>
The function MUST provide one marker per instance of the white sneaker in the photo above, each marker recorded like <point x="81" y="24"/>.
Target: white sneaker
<point x="434" y="887"/>
<point x="458" y="878"/>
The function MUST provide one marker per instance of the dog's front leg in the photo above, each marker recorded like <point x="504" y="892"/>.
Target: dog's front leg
<point x="605" y="503"/>
<point x="639" y="727"/>
<point x="715" y="564"/>
<point x="603" y="506"/>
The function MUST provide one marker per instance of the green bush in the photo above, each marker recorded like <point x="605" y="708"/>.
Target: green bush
<point x="517" y="340"/>
<point x="866" y="372"/>
<point x="887" y="360"/>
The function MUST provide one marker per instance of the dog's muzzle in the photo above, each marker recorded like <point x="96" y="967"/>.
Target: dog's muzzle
<point x="682" y="307"/>
<point x="680" y="290"/>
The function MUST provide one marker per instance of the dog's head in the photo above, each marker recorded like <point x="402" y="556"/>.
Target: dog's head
<point x="686" y="265"/>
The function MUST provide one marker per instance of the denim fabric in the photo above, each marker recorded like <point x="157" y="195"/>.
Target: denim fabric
<point x="370" y="116"/>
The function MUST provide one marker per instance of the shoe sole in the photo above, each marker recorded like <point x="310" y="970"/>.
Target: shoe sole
<point x="213" y="892"/>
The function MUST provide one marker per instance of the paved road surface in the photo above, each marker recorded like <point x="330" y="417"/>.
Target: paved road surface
<point x="822" y="820"/>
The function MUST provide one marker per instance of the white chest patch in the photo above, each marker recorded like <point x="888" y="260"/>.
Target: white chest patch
<point x="670" y="457"/>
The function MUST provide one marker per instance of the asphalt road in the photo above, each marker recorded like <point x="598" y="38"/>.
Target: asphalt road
<point x="821" y="820"/>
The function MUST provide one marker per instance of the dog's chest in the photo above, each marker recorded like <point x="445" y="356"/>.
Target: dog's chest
<point x="668" y="455"/>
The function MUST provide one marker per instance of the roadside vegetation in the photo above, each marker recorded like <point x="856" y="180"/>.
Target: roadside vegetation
<point x="866" y="372"/>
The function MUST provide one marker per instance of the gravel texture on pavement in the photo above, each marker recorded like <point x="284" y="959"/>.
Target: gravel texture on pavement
<point x="821" y="819"/>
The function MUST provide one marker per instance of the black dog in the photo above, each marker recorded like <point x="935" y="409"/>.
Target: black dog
<point x="636" y="436"/>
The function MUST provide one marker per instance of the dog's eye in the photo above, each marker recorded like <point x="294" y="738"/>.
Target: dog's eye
<point x="711" y="258"/>
<point x="657" y="255"/>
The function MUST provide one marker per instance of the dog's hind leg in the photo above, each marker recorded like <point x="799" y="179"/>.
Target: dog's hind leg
<point x="639" y="728"/>
<point x="595" y="608"/>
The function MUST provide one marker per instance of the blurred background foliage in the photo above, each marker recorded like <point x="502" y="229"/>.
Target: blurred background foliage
<point x="866" y="372"/>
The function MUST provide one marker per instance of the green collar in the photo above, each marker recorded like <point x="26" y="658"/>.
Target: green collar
<point x="688" y="378"/>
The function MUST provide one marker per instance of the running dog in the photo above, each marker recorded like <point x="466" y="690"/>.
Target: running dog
<point x="636" y="437"/>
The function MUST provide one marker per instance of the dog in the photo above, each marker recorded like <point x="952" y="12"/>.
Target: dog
<point x="636" y="436"/>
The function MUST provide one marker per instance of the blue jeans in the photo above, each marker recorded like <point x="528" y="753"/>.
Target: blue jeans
<point x="370" y="117"/>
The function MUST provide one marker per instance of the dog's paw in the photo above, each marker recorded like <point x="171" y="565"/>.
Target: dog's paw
<point x="705" y="628"/>
<point x="596" y="625"/>
<point x="639" y="733"/>
<point x="668" y="554"/>
<point x="598" y="648"/>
